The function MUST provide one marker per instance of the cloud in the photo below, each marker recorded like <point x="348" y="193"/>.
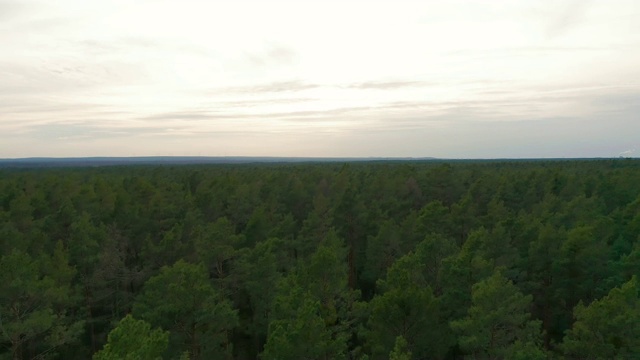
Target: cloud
<point x="84" y="71"/>
<point x="254" y="103"/>
<point x="273" y="87"/>
<point x="272" y="55"/>
<point x="82" y="130"/>
<point x="298" y="85"/>
<point x="504" y="105"/>
<point x="627" y="153"/>
<point x="139" y="46"/>
<point x="568" y="17"/>
<point x="386" y="85"/>
<point x="212" y="115"/>
<point x="9" y="9"/>
<point x="524" y="51"/>
<point x="183" y="115"/>
<point x="66" y="75"/>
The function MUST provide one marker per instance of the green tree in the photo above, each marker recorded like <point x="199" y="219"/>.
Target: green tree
<point x="84" y="241"/>
<point x="134" y="340"/>
<point x="498" y="249"/>
<point x="257" y="226"/>
<point x="579" y="272"/>
<point x="33" y="317"/>
<point x="258" y="276"/>
<point x="542" y="254"/>
<point x="411" y="313"/>
<point x="406" y="308"/>
<point x="608" y="328"/>
<point x="316" y="291"/>
<point x="326" y="277"/>
<point x="400" y="350"/>
<point x="182" y="300"/>
<point x="167" y="247"/>
<point x="434" y="218"/>
<point x="382" y="250"/>
<point x="216" y="245"/>
<point x="304" y="333"/>
<point x="432" y="251"/>
<point x="497" y="321"/>
<point x="314" y="228"/>
<point x="459" y="272"/>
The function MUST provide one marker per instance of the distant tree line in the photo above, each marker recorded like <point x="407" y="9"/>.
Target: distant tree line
<point x="381" y="260"/>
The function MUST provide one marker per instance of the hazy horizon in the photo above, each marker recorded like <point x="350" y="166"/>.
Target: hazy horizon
<point x="242" y="158"/>
<point x="457" y="79"/>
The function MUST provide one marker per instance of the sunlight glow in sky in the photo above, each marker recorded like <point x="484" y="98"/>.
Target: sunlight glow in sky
<point x="452" y="79"/>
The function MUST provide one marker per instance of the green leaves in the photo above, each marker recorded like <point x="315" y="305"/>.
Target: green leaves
<point x="407" y="308"/>
<point x="304" y="334"/>
<point x="412" y="313"/>
<point x="400" y="350"/>
<point x="33" y="305"/>
<point x="312" y="314"/>
<point x="215" y="246"/>
<point x="181" y="299"/>
<point x="497" y="320"/>
<point x="257" y="275"/>
<point x="607" y="328"/>
<point x="134" y="340"/>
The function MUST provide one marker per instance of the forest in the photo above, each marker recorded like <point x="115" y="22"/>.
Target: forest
<point x="356" y="260"/>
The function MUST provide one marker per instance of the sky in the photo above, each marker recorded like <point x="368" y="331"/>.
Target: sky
<point x="447" y="79"/>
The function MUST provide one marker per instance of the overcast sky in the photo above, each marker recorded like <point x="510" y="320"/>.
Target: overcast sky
<point x="454" y="79"/>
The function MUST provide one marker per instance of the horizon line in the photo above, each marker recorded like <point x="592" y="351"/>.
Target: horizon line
<point x="248" y="157"/>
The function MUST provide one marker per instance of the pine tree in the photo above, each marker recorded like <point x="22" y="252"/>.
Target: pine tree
<point x="607" y="328"/>
<point x="182" y="300"/>
<point x="497" y="321"/>
<point x="133" y="339"/>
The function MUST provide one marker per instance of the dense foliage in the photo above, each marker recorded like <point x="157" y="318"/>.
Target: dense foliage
<point x="367" y="260"/>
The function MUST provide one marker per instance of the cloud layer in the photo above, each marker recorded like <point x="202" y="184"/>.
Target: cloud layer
<point x="446" y="79"/>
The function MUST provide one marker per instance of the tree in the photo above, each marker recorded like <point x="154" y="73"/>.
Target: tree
<point x="314" y="228"/>
<point x="304" y="333"/>
<point x="182" y="300"/>
<point x="499" y="250"/>
<point x="497" y="321"/>
<point x="33" y="316"/>
<point x="412" y="314"/>
<point x="382" y="250"/>
<point x="168" y="248"/>
<point x="406" y="308"/>
<point x="215" y="246"/>
<point x="84" y="243"/>
<point x="326" y="277"/>
<point x="432" y="251"/>
<point x="400" y="350"/>
<point x="258" y="276"/>
<point x="459" y="272"/>
<point x="258" y="226"/>
<point x="133" y="339"/>
<point x="315" y="305"/>
<point x="542" y="253"/>
<point x="434" y="218"/>
<point x="607" y="328"/>
<point x="579" y="272"/>
<point x="349" y="221"/>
